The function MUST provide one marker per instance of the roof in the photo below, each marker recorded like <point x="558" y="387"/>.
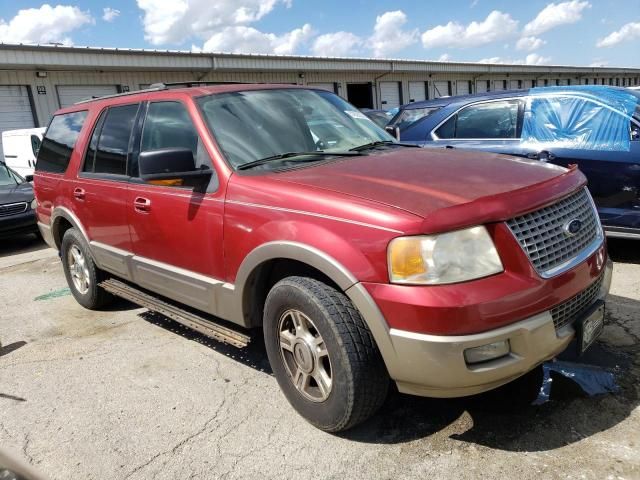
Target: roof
<point x="463" y="99"/>
<point x="167" y="93"/>
<point x="56" y="56"/>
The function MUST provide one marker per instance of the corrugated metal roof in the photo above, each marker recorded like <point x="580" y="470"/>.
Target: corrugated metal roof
<point x="60" y="57"/>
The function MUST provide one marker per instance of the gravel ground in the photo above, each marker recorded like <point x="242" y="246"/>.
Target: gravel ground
<point x="124" y="394"/>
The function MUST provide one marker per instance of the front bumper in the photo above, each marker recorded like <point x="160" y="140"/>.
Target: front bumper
<point x="18" y="224"/>
<point x="435" y="366"/>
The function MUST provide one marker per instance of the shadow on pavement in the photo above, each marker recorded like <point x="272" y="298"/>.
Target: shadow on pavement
<point x="12" y="347"/>
<point x="21" y="244"/>
<point x="624" y="250"/>
<point x="504" y="418"/>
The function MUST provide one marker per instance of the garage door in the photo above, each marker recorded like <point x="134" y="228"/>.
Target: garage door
<point x="499" y="85"/>
<point x="417" y="91"/>
<point x="70" y="94"/>
<point x="389" y="95"/>
<point x="15" y="109"/>
<point x="331" y="87"/>
<point x="462" y="87"/>
<point x="482" y="86"/>
<point x="441" y="89"/>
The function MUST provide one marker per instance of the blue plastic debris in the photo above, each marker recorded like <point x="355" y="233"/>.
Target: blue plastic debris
<point x="592" y="379"/>
<point x="583" y="117"/>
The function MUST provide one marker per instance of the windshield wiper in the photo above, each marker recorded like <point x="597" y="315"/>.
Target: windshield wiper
<point x="280" y="156"/>
<point x="379" y="143"/>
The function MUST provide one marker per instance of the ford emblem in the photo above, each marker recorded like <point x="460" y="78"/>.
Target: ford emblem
<point x="573" y="227"/>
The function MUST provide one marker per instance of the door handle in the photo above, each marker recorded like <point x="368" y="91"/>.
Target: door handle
<point x="142" y="205"/>
<point x="449" y="147"/>
<point x="79" y="193"/>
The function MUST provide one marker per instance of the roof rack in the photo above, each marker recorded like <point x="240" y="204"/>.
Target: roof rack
<point x="155" y="87"/>
<point x="116" y="95"/>
<point x="168" y="85"/>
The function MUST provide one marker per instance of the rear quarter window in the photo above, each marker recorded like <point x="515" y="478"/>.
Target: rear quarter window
<point x="59" y="141"/>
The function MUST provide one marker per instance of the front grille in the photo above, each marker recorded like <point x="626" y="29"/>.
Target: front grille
<point x="12" y="209"/>
<point x="567" y="312"/>
<point x="543" y="236"/>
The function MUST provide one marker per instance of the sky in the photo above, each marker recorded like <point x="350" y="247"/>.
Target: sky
<point x="535" y="32"/>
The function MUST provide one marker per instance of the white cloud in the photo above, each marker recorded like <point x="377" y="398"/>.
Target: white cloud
<point x="554" y="15"/>
<point x="46" y="24"/>
<point x="496" y="26"/>
<point x="174" y="21"/>
<point x="529" y="43"/>
<point x="110" y="14"/>
<point x="388" y="36"/>
<point x="445" y="57"/>
<point x="242" y="39"/>
<point x="338" y="44"/>
<point x="628" y="32"/>
<point x="531" y="59"/>
<point x="599" y="63"/>
<point x="536" y="59"/>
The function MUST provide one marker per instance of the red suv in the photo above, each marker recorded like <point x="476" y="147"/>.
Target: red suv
<point x="362" y="259"/>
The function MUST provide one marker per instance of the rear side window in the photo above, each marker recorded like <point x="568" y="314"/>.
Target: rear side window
<point x="35" y="145"/>
<point x="483" y="121"/>
<point x="110" y="142"/>
<point x="408" y="117"/>
<point x="55" y="152"/>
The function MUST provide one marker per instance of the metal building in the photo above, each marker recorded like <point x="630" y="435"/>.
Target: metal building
<point x="37" y="80"/>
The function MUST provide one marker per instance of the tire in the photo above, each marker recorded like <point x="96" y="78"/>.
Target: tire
<point x="92" y="297"/>
<point x="345" y="354"/>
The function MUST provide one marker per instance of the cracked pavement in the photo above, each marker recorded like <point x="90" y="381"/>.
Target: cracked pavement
<point x="126" y="394"/>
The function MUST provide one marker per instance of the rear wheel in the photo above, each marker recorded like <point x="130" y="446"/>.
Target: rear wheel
<point x="323" y="354"/>
<point x="83" y="276"/>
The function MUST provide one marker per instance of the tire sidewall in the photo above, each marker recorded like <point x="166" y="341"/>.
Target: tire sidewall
<point x="90" y="299"/>
<point x="336" y="409"/>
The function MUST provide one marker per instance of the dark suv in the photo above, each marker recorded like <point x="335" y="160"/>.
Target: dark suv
<point x="363" y="260"/>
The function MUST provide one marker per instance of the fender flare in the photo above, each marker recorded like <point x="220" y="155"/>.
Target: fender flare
<point x="60" y="213"/>
<point x="333" y="269"/>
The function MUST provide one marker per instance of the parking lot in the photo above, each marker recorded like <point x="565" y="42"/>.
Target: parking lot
<point x="124" y="394"/>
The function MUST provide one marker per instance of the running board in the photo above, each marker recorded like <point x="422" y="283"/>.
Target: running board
<point x="174" y="312"/>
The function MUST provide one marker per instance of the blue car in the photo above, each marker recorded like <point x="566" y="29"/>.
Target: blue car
<point x="595" y="127"/>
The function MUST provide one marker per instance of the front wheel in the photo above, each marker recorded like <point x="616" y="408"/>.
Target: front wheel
<point x="323" y="354"/>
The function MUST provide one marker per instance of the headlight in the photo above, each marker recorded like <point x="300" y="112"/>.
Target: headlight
<point x="443" y="258"/>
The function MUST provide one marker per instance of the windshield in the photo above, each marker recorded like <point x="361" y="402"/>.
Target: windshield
<point x="259" y="124"/>
<point x="8" y="177"/>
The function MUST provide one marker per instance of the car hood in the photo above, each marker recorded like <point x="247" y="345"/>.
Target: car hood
<point x="424" y="182"/>
<point x="16" y="193"/>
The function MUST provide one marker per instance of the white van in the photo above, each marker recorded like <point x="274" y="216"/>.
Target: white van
<point x="20" y="149"/>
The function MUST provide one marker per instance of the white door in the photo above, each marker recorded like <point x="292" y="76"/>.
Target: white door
<point x="15" y="109"/>
<point x="563" y="81"/>
<point x="389" y="95"/>
<point x="527" y="84"/>
<point x="482" y="86"/>
<point x="462" y="87"/>
<point x="440" y="89"/>
<point x="331" y="87"/>
<point x="498" y="85"/>
<point x="70" y="94"/>
<point x="417" y="91"/>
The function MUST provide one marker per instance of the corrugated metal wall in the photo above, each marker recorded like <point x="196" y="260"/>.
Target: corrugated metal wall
<point x="46" y="101"/>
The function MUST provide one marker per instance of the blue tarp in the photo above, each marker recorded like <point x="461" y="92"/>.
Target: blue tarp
<point x="583" y="117"/>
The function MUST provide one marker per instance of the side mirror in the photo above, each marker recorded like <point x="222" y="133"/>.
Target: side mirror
<point x="28" y="178"/>
<point x="172" y="167"/>
<point x="393" y="131"/>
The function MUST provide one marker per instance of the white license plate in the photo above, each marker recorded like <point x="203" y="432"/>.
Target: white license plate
<point x="590" y="327"/>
